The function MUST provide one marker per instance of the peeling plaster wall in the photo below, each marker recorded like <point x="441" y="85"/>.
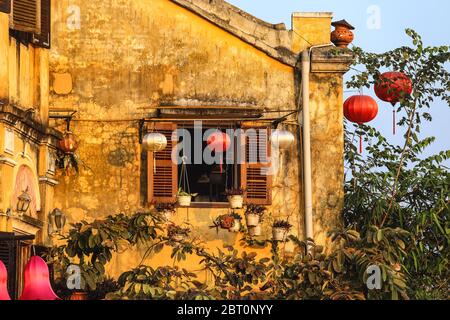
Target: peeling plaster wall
<point x="128" y="57"/>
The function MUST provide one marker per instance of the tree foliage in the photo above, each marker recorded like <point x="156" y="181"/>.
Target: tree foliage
<point x="396" y="217"/>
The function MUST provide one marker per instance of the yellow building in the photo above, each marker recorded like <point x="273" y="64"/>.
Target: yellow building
<point x="119" y="69"/>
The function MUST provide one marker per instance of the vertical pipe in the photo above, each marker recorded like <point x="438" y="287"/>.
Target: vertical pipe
<point x="307" y="145"/>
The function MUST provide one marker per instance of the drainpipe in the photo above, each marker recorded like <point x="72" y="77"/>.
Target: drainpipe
<point x="305" y="124"/>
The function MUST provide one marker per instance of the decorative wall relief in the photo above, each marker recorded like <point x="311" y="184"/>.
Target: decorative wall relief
<point x="26" y="179"/>
<point x="9" y="141"/>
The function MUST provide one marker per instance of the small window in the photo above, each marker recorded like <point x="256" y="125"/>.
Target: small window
<point x="210" y="181"/>
<point x="42" y="39"/>
<point x="25" y="16"/>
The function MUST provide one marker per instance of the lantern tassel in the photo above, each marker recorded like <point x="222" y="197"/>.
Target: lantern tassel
<point x="394" y="122"/>
<point x="360" y="144"/>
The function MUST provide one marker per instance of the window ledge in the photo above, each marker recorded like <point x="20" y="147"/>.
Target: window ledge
<point x="208" y="205"/>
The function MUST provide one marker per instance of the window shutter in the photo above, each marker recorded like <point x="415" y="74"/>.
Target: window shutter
<point x="5" y="6"/>
<point x="43" y="39"/>
<point x="8" y="256"/>
<point x="162" y="172"/>
<point x="26" y="16"/>
<point x="254" y="172"/>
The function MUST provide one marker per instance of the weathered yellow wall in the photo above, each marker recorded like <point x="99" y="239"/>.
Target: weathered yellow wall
<point x="327" y="153"/>
<point x="23" y="86"/>
<point x="310" y="29"/>
<point x="129" y="56"/>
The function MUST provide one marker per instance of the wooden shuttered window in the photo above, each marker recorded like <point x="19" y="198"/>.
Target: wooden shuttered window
<point x="162" y="172"/>
<point x="42" y="39"/>
<point x="255" y="177"/>
<point x="8" y="255"/>
<point x="5" y="6"/>
<point x="25" y="16"/>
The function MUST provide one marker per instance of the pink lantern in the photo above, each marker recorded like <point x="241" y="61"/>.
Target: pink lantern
<point x="37" y="281"/>
<point x="4" y="295"/>
<point x="219" y="142"/>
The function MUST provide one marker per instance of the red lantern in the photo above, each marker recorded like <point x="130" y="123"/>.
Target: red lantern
<point x="68" y="143"/>
<point x="360" y="109"/>
<point x="393" y="87"/>
<point x="219" y="142"/>
<point x="37" y="281"/>
<point x="4" y="295"/>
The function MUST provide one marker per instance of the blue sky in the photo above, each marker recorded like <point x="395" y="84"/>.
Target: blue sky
<point x="429" y="18"/>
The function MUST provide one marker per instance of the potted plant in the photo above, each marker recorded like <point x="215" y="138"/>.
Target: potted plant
<point x="235" y="197"/>
<point x="229" y="221"/>
<point x="166" y="210"/>
<point x="184" y="198"/>
<point x="253" y="215"/>
<point x="177" y="233"/>
<point x="255" y="231"/>
<point x="280" y="229"/>
<point x="237" y="222"/>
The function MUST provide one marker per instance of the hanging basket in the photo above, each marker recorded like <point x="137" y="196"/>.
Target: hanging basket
<point x="255" y="231"/>
<point x="184" y="201"/>
<point x="237" y="226"/>
<point x="279" y="234"/>
<point x="236" y="201"/>
<point x="252" y="219"/>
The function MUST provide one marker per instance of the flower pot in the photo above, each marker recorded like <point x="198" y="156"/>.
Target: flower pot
<point x="79" y="295"/>
<point x="184" y="201"/>
<point x="279" y="234"/>
<point x="237" y="226"/>
<point x="342" y="36"/>
<point x="255" y="231"/>
<point x="252" y="219"/>
<point x="167" y="214"/>
<point x="178" y="237"/>
<point x="236" y="201"/>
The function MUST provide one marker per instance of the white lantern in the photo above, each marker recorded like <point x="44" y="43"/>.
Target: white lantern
<point x="282" y="138"/>
<point x="154" y="142"/>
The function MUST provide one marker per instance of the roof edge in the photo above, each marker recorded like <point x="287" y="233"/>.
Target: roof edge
<point x="272" y="39"/>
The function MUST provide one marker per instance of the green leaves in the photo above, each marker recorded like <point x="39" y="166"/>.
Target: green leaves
<point x="397" y="186"/>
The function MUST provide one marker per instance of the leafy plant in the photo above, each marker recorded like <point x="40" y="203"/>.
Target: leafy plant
<point x="255" y="209"/>
<point x="69" y="162"/>
<point x="174" y="231"/>
<point x="183" y="193"/>
<point x="284" y="224"/>
<point x="397" y="186"/>
<point x="163" y="207"/>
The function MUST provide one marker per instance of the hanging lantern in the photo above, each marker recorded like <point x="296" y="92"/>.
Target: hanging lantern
<point x="37" y="281"/>
<point x="56" y="222"/>
<point x="23" y="202"/>
<point x="393" y="87"/>
<point x="4" y="295"/>
<point x="219" y="142"/>
<point x="154" y="142"/>
<point x="68" y="144"/>
<point x="282" y="138"/>
<point x="360" y="109"/>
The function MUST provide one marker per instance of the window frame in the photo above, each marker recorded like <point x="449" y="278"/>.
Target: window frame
<point x="151" y="199"/>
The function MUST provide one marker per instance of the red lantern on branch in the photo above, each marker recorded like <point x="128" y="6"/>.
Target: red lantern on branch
<point x="37" y="281"/>
<point x="219" y="142"/>
<point x="360" y="109"/>
<point x="4" y="295"/>
<point x="68" y="144"/>
<point x="392" y="87"/>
